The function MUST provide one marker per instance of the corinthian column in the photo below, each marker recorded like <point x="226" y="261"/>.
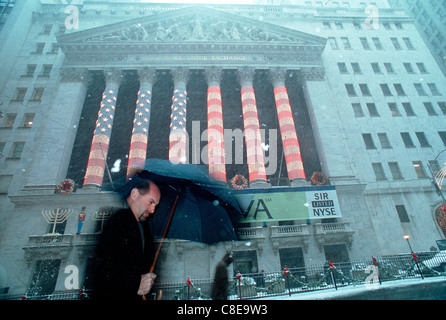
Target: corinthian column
<point x="178" y="133"/>
<point x="253" y="138"/>
<point x="102" y="133"/>
<point x="141" y="122"/>
<point x="216" y="141"/>
<point x="290" y="143"/>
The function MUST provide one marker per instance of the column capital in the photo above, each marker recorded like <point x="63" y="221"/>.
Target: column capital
<point x="180" y="76"/>
<point x="213" y="75"/>
<point x="277" y="76"/>
<point x="246" y="75"/>
<point x="146" y="75"/>
<point x="113" y="76"/>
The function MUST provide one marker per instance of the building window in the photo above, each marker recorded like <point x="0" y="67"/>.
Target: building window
<point x="421" y="67"/>
<point x="394" y="109"/>
<point x="379" y="171"/>
<point x="408" y="109"/>
<point x="442" y="135"/>
<point x="385" y="89"/>
<point x="28" y="120"/>
<point x="356" y="68"/>
<point x="245" y="261"/>
<point x="365" y="89"/>
<point x="402" y="213"/>
<point x="420" y="89"/>
<point x="357" y="26"/>
<point x="339" y="25"/>
<point x="20" y="94"/>
<point x="377" y="43"/>
<point x="442" y="106"/>
<point x="408" y="44"/>
<point x="30" y="70"/>
<point x="419" y="169"/>
<point x="54" y="48"/>
<point x="44" y="277"/>
<point x="396" y="43"/>
<point x="46" y="70"/>
<point x="365" y="43"/>
<point x="291" y="258"/>
<point x="333" y="43"/>
<point x="387" y="26"/>
<point x="346" y="43"/>
<point x="37" y="94"/>
<point x="372" y="110"/>
<point x="395" y="171"/>
<point x="408" y="67"/>
<point x="39" y="48"/>
<point x="422" y="139"/>
<point x="357" y="110"/>
<point x="399" y="89"/>
<point x="5" y="182"/>
<point x="342" y="68"/>
<point x="389" y="68"/>
<point x="434" y="90"/>
<point x="350" y="90"/>
<point x="407" y="140"/>
<point x="17" y="150"/>
<point x="47" y="29"/>
<point x="375" y="67"/>
<point x="326" y="25"/>
<point x="9" y="120"/>
<point x="430" y="108"/>
<point x="368" y="140"/>
<point x="384" y="140"/>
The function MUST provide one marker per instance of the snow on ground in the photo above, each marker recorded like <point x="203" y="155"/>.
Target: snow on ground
<point x="351" y="290"/>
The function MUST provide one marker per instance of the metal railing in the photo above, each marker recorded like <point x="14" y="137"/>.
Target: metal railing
<point x="293" y="279"/>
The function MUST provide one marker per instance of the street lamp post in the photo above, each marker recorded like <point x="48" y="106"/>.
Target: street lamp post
<point x="413" y="255"/>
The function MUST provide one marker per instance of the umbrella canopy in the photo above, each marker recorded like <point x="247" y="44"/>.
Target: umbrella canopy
<point x="206" y="210"/>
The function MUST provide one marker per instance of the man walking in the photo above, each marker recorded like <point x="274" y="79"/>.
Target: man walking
<point x="126" y="252"/>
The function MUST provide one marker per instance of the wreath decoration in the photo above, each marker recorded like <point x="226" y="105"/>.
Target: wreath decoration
<point x="66" y="186"/>
<point x="318" y="179"/>
<point x="239" y="182"/>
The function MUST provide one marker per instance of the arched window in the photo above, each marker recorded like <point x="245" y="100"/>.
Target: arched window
<point x="440" y="216"/>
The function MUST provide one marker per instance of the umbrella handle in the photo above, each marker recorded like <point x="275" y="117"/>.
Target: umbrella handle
<point x="152" y="268"/>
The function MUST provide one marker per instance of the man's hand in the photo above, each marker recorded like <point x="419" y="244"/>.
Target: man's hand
<point x="147" y="281"/>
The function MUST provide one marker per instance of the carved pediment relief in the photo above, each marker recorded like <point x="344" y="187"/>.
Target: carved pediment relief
<point x="194" y="28"/>
<point x="193" y="24"/>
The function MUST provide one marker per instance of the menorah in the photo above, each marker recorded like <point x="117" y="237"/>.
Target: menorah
<point x="56" y="216"/>
<point x="101" y="216"/>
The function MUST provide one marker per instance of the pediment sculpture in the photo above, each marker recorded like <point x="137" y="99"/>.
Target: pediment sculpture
<point x="194" y="29"/>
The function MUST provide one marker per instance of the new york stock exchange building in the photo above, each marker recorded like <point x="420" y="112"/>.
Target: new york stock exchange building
<point x="288" y="105"/>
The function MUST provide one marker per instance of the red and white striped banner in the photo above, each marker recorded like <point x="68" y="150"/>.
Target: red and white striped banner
<point x="253" y="138"/>
<point x="290" y="142"/>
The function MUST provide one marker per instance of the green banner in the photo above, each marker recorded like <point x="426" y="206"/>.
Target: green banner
<point x="280" y="204"/>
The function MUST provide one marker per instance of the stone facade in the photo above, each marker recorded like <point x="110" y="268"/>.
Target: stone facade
<point x="323" y="53"/>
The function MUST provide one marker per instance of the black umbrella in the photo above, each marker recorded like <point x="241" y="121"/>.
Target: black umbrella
<point x="205" y="211"/>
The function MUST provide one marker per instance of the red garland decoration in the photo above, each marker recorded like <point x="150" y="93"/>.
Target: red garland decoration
<point x="66" y="186"/>
<point x="318" y="179"/>
<point x="239" y="182"/>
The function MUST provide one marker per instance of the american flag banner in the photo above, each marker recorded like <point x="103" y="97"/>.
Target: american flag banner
<point x="178" y="133"/>
<point x="140" y="131"/>
<point x="253" y="138"/>
<point x="291" y="148"/>
<point x="101" y="137"/>
<point x="216" y="141"/>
